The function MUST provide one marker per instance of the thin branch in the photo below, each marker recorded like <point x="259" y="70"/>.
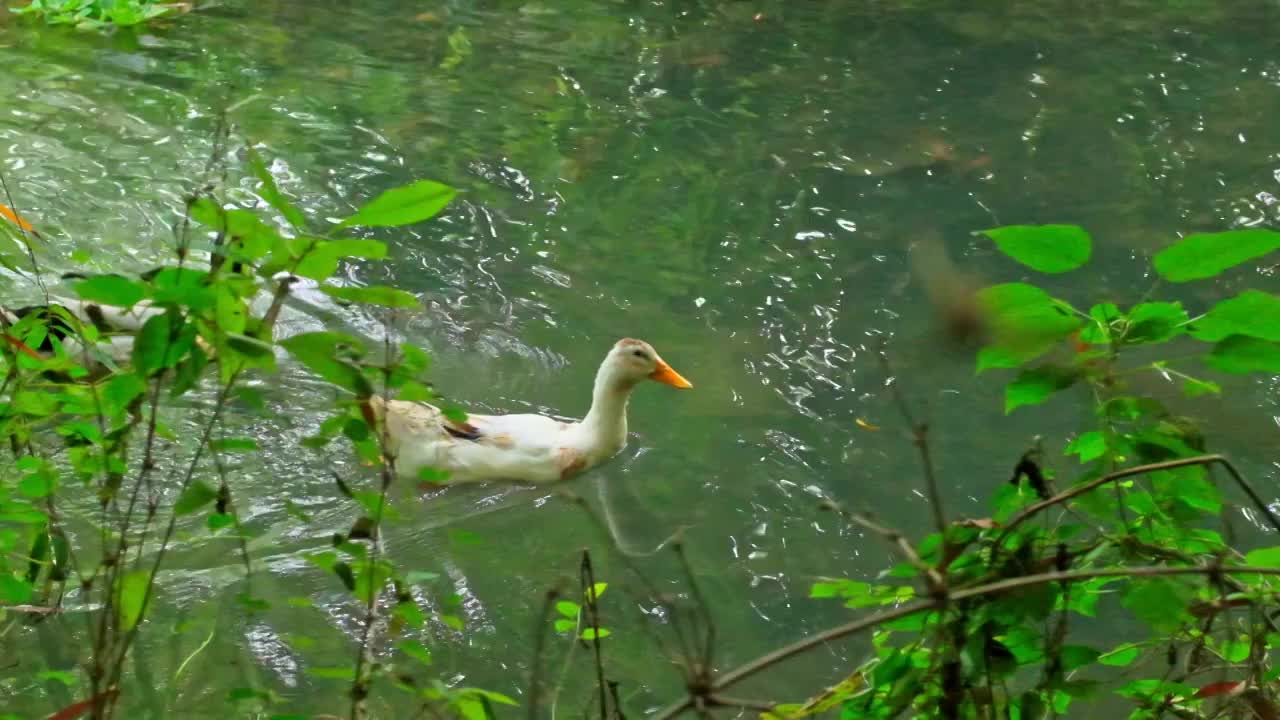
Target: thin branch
<point x="920" y="437"/>
<point x="775" y="657"/>
<point x="894" y="538"/>
<point x="1078" y="490"/>
<point x="588" y="581"/>
<point x="539" y="641"/>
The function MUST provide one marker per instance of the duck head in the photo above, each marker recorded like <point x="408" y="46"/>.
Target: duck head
<point x="631" y="361"/>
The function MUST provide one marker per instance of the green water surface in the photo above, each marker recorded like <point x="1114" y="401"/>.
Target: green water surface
<point x="739" y="183"/>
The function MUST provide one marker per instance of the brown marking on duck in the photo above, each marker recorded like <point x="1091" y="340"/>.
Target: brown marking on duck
<point x="630" y="342"/>
<point x="502" y="440"/>
<point x="97" y="317"/>
<point x="571" y="462"/>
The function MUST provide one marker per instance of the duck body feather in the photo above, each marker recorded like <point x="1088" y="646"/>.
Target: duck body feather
<point x="520" y="447"/>
<point x="523" y="447"/>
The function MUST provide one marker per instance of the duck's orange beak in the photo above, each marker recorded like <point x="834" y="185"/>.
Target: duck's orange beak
<point x="668" y="376"/>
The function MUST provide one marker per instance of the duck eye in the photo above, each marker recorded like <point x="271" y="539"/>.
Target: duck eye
<point x="640" y="354"/>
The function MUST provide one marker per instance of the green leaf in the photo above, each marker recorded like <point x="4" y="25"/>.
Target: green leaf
<point x="1120" y="656"/>
<point x="1241" y="354"/>
<point x="1193" y="387"/>
<point x="111" y="290"/>
<point x="250" y="347"/>
<point x="568" y="609"/>
<point x="415" y="650"/>
<point x="133" y="592"/>
<point x="590" y="633"/>
<point x="14" y="590"/>
<point x="324" y="353"/>
<point x="196" y="496"/>
<point x="151" y="345"/>
<point x="235" y="444"/>
<point x="218" y="521"/>
<point x="38" y="484"/>
<point x="333" y="673"/>
<point x="1205" y="255"/>
<point x="69" y="679"/>
<point x="271" y="193"/>
<point x="1025" y="322"/>
<point x="1044" y="248"/>
<point x="359" y="248"/>
<point x="372" y="295"/>
<point x="1089" y="446"/>
<point x="593" y="593"/>
<point x="1077" y="656"/>
<point x="1159" y="602"/>
<point x="403" y="206"/>
<point x="119" y="391"/>
<point x="1035" y="385"/>
<point x="254" y="239"/>
<point x="1253" y="313"/>
<point x="1263" y="557"/>
<point x="1155" y="322"/>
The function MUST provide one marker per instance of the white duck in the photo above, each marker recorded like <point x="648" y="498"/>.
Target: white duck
<point x="116" y="327"/>
<point x="525" y="447"/>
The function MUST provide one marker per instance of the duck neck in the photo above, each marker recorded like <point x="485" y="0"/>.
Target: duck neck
<point x="606" y="422"/>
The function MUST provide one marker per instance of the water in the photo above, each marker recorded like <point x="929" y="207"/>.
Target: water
<point x="738" y="183"/>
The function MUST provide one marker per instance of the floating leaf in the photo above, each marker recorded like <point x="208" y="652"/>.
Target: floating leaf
<point x="1035" y="385"/>
<point x="373" y="295"/>
<point x="1205" y="255"/>
<point x="111" y="290"/>
<point x="196" y="496"/>
<point x="1044" y="248"/>
<point x="403" y="206"/>
<point x="1253" y="313"/>
<point x="1241" y="354"/>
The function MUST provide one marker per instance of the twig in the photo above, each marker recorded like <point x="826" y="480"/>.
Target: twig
<point x="364" y="657"/>
<point x="706" y="658"/>
<point x="588" y="581"/>
<point x="893" y="537"/>
<point x="31" y="253"/>
<point x="1078" y="490"/>
<point x="744" y="703"/>
<point x="920" y="437"/>
<point x="539" y="640"/>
